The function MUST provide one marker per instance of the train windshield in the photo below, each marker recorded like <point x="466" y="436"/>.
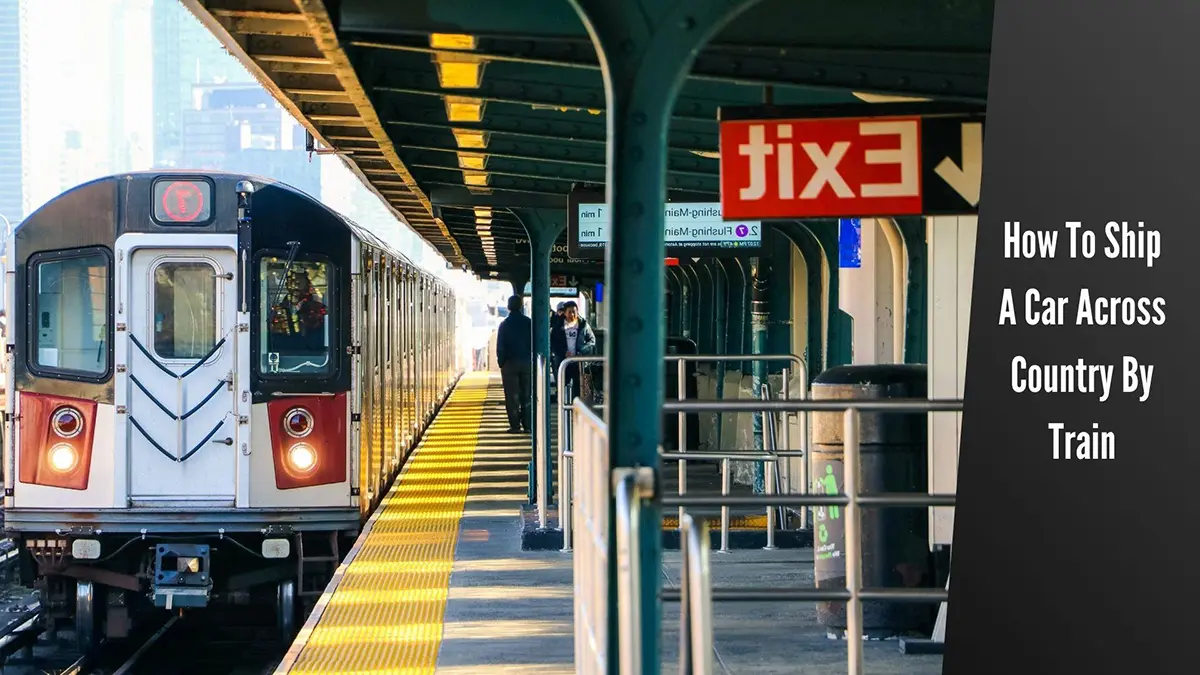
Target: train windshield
<point x="296" y="333"/>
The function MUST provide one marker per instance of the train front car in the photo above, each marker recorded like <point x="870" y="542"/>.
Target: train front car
<point x="180" y="433"/>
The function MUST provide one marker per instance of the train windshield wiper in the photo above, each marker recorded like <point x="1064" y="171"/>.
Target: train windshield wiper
<point x="293" y="246"/>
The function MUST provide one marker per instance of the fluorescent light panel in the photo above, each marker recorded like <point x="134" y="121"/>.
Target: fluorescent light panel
<point x="464" y="109"/>
<point x="458" y="71"/>
<point x="475" y="178"/>
<point x="472" y="139"/>
<point x="452" y="41"/>
<point x="467" y="160"/>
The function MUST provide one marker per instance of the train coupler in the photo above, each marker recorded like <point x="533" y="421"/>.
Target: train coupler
<point x="181" y="576"/>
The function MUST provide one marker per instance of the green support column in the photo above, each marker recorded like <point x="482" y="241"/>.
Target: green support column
<point x="721" y="295"/>
<point x="916" y="339"/>
<point x="645" y="48"/>
<point x="543" y="228"/>
<point x="758" y="369"/>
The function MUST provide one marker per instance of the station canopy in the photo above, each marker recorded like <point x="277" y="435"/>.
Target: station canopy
<point x="460" y="113"/>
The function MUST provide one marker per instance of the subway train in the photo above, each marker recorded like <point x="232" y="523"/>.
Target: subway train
<point x="213" y="379"/>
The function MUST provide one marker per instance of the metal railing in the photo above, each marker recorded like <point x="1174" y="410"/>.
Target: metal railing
<point x="770" y="458"/>
<point x="695" y="595"/>
<point x="698" y="624"/>
<point x="591" y="562"/>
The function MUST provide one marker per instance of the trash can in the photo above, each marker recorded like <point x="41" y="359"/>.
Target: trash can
<point x="894" y="458"/>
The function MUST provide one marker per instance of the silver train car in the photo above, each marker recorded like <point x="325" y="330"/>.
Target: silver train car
<point x="212" y="381"/>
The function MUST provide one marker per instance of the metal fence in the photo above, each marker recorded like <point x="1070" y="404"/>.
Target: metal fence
<point x="699" y="626"/>
<point x="770" y="457"/>
<point x="591" y="562"/>
<point x="591" y="486"/>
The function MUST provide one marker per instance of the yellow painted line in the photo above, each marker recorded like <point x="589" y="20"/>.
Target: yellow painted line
<point x="511" y="669"/>
<point x="735" y="522"/>
<point x="383" y="612"/>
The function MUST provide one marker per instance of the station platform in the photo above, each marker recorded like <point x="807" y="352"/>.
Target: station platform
<point x="438" y="581"/>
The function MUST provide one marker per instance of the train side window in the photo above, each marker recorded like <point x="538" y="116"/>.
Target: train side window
<point x="70" y="308"/>
<point x="297" y="317"/>
<point x="185" y="306"/>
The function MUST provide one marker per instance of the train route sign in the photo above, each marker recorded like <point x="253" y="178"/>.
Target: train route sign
<point x="850" y="161"/>
<point x="182" y="201"/>
<point x="693" y="229"/>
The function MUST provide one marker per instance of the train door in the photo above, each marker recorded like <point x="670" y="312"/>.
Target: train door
<point x="181" y="366"/>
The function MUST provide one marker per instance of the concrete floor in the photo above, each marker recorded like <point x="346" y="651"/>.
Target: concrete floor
<point x="510" y="611"/>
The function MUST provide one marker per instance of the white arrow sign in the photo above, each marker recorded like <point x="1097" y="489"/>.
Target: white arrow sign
<point x="695" y="260"/>
<point x="966" y="180"/>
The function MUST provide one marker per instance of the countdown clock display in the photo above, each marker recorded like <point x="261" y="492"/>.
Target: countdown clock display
<point x="178" y="201"/>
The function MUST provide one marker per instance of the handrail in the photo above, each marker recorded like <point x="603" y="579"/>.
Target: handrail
<point x="770" y="469"/>
<point x="565" y="457"/>
<point x="591" y="563"/>
<point x="628" y="499"/>
<point x="695" y="590"/>
<point x="854" y="593"/>
<point x="894" y="405"/>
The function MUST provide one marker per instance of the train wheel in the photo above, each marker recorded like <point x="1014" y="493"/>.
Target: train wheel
<point x="286" y="611"/>
<point x="86" y="618"/>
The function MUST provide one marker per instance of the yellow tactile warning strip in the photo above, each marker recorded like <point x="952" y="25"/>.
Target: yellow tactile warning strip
<point x="383" y="611"/>
<point x="755" y="522"/>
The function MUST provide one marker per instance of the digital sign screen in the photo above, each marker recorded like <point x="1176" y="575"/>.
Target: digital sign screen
<point x="691" y="229"/>
<point x="182" y="201"/>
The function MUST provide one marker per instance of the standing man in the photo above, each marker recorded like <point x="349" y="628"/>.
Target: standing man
<point x="514" y="355"/>
<point x="572" y="337"/>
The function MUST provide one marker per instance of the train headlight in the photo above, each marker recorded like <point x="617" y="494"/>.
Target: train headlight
<point x="298" y="423"/>
<point x="67" y="422"/>
<point x="63" y="458"/>
<point x="302" y="457"/>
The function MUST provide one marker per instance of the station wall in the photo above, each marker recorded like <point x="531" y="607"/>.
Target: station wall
<point x="951" y="258"/>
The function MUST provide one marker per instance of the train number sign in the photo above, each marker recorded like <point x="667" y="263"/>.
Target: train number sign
<point x="790" y="166"/>
<point x="182" y="201"/>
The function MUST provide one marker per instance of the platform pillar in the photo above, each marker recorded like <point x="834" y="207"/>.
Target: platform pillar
<point x="645" y="48"/>
<point x="758" y="346"/>
<point x="543" y="228"/>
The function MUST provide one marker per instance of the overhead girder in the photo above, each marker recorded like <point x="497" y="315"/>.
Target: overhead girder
<point x="360" y="75"/>
<point x="292" y="49"/>
<point x="926" y="25"/>
<point x="951" y="77"/>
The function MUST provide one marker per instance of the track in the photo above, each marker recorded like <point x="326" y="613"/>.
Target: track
<point x="239" y="640"/>
<point x="208" y="642"/>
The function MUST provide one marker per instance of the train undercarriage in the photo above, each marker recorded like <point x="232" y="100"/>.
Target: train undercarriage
<point x="141" y="577"/>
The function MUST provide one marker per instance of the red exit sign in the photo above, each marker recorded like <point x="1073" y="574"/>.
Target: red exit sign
<point x="854" y="166"/>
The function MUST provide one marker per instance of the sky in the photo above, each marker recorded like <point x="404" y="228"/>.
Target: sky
<point x="90" y="70"/>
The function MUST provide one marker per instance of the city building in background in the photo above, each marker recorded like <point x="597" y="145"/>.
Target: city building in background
<point x="240" y="128"/>
<point x="184" y="55"/>
<point x="13" y="136"/>
<point x="107" y="86"/>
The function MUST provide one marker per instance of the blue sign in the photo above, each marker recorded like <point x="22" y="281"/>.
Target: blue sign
<point x="849" y="243"/>
<point x="599" y="292"/>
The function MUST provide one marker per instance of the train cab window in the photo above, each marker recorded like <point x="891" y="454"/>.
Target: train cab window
<point x="70" y="314"/>
<point x="297" y="322"/>
<point x="185" y="305"/>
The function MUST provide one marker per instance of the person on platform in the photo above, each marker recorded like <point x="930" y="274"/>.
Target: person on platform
<point x="514" y="355"/>
<point x="556" y="317"/>
<point x="571" y="337"/>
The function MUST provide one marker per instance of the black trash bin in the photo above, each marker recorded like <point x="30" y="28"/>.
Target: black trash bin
<point x="894" y="458"/>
